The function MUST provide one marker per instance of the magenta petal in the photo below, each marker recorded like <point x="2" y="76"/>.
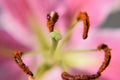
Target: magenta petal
<point x="19" y="9"/>
<point x="9" y="70"/>
<point x="112" y="39"/>
<point x="9" y="43"/>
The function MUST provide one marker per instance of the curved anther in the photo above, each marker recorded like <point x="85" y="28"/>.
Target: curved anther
<point x="84" y="16"/>
<point x="51" y="20"/>
<point x="106" y="49"/>
<point x="107" y="58"/>
<point x="20" y="63"/>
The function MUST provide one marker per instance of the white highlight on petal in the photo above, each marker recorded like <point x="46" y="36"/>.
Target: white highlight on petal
<point x="16" y="30"/>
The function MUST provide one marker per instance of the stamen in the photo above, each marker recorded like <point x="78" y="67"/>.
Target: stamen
<point x="106" y="49"/>
<point x="84" y="16"/>
<point x="51" y="20"/>
<point x="67" y="76"/>
<point x="107" y="58"/>
<point x="20" y="63"/>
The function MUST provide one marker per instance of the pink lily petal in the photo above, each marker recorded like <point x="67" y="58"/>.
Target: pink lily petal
<point x="14" y="29"/>
<point x="19" y="9"/>
<point x="112" y="39"/>
<point x="9" y="70"/>
<point x="8" y="44"/>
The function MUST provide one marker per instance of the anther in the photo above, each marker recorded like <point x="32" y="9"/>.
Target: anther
<point x="51" y="20"/>
<point x="20" y="63"/>
<point x="107" y="58"/>
<point x="84" y="16"/>
<point x="66" y="76"/>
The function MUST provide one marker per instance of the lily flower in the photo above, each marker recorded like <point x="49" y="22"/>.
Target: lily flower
<point x="56" y="47"/>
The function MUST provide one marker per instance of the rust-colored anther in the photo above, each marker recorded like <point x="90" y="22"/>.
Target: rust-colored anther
<point x="51" y="20"/>
<point x="106" y="49"/>
<point x="20" y="63"/>
<point x="66" y="76"/>
<point x="84" y="16"/>
<point x="107" y="58"/>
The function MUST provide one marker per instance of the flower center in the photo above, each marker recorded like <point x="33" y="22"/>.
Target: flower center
<point x="53" y="55"/>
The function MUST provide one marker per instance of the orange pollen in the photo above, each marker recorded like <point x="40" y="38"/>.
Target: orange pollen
<point x="84" y="16"/>
<point x="20" y="63"/>
<point x="51" y="20"/>
<point x="107" y="58"/>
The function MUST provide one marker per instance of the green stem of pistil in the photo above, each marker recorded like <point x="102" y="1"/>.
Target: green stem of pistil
<point x="53" y="48"/>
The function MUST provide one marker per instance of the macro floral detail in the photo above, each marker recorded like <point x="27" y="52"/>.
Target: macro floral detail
<point x="57" y="40"/>
<point x="54" y="52"/>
